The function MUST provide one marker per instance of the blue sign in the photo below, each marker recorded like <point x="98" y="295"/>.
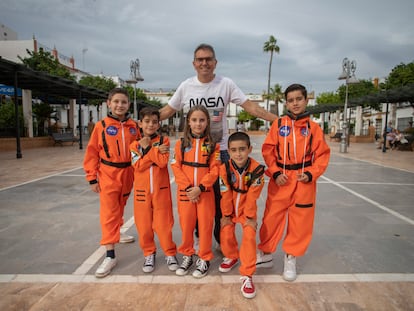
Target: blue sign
<point x="9" y="90"/>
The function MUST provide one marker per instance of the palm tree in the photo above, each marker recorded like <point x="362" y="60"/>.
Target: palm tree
<point x="277" y="95"/>
<point x="272" y="47"/>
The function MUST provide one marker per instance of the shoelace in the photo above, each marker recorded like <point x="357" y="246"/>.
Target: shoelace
<point x="247" y="282"/>
<point x="149" y="260"/>
<point x="186" y="262"/>
<point x="201" y="265"/>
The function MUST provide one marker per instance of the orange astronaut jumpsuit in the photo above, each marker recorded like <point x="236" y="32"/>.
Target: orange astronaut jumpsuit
<point x="293" y="146"/>
<point x="197" y="165"/>
<point x="239" y="193"/>
<point x="108" y="160"/>
<point x="152" y="196"/>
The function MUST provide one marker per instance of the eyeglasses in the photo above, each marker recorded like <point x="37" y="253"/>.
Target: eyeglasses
<point x="200" y="60"/>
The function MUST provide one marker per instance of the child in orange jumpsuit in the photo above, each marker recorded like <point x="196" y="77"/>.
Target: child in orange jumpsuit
<point x="296" y="154"/>
<point x="107" y="164"/>
<point x="195" y="166"/>
<point x="241" y="182"/>
<point x="152" y="193"/>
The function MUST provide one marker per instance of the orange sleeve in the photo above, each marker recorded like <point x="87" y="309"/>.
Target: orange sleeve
<point x="176" y="165"/>
<point x="226" y="202"/>
<point x="269" y="150"/>
<point x="91" y="160"/>
<point x="210" y="178"/>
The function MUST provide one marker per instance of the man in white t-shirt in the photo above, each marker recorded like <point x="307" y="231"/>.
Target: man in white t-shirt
<point x="215" y="93"/>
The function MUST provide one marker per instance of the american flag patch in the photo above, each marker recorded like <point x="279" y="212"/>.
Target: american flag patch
<point x="217" y="116"/>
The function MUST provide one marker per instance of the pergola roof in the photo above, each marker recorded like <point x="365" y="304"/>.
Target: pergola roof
<point x="20" y="76"/>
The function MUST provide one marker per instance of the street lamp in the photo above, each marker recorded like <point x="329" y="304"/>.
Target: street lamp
<point x="348" y="73"/>
<point x="135" y="78"/>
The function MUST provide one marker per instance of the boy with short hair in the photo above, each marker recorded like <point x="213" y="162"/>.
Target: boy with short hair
<point x="152" y="193"/>
<point x="241" y="182"/>
<point x="107" y="164"/>
<point x="296" y="154"/>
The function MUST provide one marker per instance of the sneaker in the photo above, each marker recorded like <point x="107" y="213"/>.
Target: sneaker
<point x="149" y="263"/>
<point x="228" y="264"/>
<point x="263" y="260"/>
<point x="202" y="268"/>
<point x="125" y="238"/>
<point x="106" y="267"/>
<point x="247" y="289"/>
<point x="185" y="265"/>
<point x="289" y="271"/>
<point x="172" y="263"/>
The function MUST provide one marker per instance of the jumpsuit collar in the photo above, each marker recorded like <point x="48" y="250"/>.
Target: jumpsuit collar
<point x="197" y="136"/>
<point x="241" y="169"/>
<point x="110" y="115"/>
<point x="298" y="117"/>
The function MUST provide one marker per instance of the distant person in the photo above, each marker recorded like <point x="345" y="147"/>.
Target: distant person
<point x="107" y="164"/>
<point x="195" y="166"/>
<point x="91" y="126"/>
<point x="296" y="155"/>
<point x="153" y="211"/>
<point x="215" y="93"/>
<point x="241" y="182"/>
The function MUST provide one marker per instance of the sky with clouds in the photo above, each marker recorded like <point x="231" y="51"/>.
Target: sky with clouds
<point x="313" y="36"/>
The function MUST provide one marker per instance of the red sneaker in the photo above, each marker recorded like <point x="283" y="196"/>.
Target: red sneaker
<point x="227" y="264"/>
<point x="247" y="288"/>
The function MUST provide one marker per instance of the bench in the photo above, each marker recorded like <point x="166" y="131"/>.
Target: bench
<point x="60" y="138"/>
<point x="336" y="137"/>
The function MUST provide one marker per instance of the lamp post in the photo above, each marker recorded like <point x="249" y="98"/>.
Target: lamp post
<point x="348" y="73"/>
<point x="135" y="78"/>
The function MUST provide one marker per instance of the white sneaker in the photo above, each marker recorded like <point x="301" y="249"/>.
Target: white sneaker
<point x="263" y="260"/>
<point x="289" y="271"/>
<point x="149" y="263"/>
<point x="172" y="263"/>
<point x="125" y="238"/>
<point x="106" y="267"/>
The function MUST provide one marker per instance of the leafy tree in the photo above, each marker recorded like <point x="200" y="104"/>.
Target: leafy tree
<point x="328" y="98"/>
<point x="98" y="82"/>
<point x="400" y="75"/>
<point x="272" y="47"/>
<point x="7" y="115"/>
<point x="46" y="62"/>
<point x="43" y="112"/>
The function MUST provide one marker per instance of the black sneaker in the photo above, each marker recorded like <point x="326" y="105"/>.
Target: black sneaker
<point x="149" y="263"/>
<point x="185" y="265"/>
<point x="202" y="268"/>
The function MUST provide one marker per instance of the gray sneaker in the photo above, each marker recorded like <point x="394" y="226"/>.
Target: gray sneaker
<point x="172" y="263"/>
<point x="289" y="271"/>
<point x="106" y="267"/>
<point x="149" y="263"/>
<point x="202" y="268"/>
<point x="185" y="265"/>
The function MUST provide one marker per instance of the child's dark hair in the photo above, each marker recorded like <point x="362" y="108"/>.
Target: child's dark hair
<point x="149" y="111"/>
<point x="239" y="136"/>
<point x="118" y="90"/>
<point x="296" y="87"/>
<point x="187" y="130"/>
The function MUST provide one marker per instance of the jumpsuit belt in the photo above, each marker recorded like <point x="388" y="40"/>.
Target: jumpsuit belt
<point x="293" y="167"/>
<point x="116" y="164"/>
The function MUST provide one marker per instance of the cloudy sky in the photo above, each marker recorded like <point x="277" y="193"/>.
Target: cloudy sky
<point x="313" y="36"/>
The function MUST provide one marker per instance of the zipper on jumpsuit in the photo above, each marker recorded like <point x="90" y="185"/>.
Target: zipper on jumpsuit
<point x="238" y="194"/>
<point x="196" y="161"/>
